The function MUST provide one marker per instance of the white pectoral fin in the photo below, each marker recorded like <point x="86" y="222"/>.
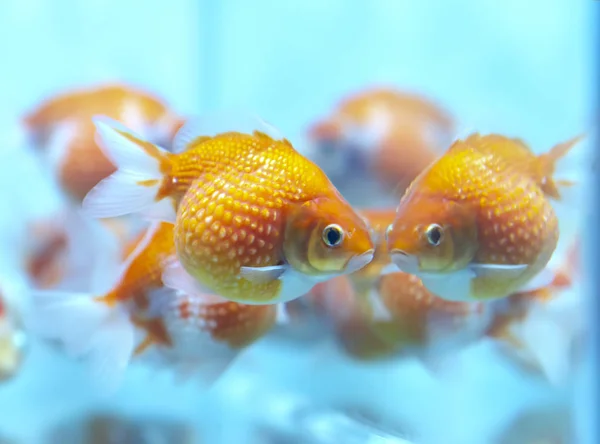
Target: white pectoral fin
<point x="390" y="269"/>
<point x="262" y="275"/>
<point x="176" y="277"/>
<point x="455" y="286"/>
<point x="497" y="271"/>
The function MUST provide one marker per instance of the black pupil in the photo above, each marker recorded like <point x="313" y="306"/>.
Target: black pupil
<point x="333" y="236"/>
<point x="435" y="235"/>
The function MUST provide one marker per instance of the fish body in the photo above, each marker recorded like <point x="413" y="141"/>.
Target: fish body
<point x="380" y="136"/>
<point x="476" y="224"/>
<point x="61" y="129"/>
<point x="139" y="316"/>
<point x="254" y="221"/>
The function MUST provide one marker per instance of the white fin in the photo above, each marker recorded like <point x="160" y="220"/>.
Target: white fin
<point x="221" y="122"/>
<point x="176" y="277"/>
<point x="548" y="342"/>
<point x="86" y="328"/>
<point x="498" y="271"/>
<point x="111" y="350"/>
<point x="380" y="312"/>
<point x="93" y="254"/>
<point x="57" y="145"/>
<point x="120" y="193"/>
<point x="132" y="118"/>
<point x="282" y="317"/>
<point x="162" y="211"/>
<point x="390" y="269"/>
<point x="463" y="132"/>
<point x="455" y="286"/>
<point x="441" y="364"/>
<point x="541" y="280"/>
<point x="262" y="275"/>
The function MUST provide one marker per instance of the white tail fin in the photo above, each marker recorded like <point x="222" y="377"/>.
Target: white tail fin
<point x="122" y="192"/>
<point x="88" y="329"/>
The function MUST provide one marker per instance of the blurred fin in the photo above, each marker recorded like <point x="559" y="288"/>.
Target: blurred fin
<point x="87" y="328"/>
<point x="547" y="163"/>
<point x="548" y="343"/>
<point x="176" y="277"/>
<point x="543" y="279"/>
<point x="198" y="129"/>
<point x="441" y="365"/>
<point x="282" y="317"/>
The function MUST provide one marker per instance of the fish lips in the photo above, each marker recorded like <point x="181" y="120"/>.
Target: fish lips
<point x="405" y="262"/>
<point x="357" y="262"/>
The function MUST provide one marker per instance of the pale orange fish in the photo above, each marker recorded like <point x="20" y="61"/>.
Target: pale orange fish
<point x="195" y="332"/>
<point x="392" y="134"/>
<point x="376" y="317"/>
<point x="477" y="224"/>
<point x="61" y="128"/>
<point x="12" y="341"/>
<point x="256" y="222"/>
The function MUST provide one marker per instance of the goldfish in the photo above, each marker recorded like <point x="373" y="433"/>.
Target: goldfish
<point x="13" y="340"/>
<point x="383" y="137"/>
<point x="61" y="130"/>
<point x="477" y="224"/>
<point x="377" y="317"/>
<point x="192" y="333"/>
<point x="254" y="221"/>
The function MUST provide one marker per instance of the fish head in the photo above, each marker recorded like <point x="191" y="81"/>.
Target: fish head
<point x="325" y="236"/>
<point x="432" y="234"/>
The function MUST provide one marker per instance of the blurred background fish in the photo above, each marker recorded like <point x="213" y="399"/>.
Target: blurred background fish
<point x="378" y="140"/>
<point x="61" y="130"/>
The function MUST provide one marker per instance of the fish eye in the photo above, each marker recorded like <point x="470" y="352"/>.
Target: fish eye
<point x="435" y="234"/>
<point x="333" y="235"/>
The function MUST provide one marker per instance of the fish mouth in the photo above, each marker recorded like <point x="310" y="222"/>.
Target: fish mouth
<point x="362" y="260"/>
<point x="405" y="262"/>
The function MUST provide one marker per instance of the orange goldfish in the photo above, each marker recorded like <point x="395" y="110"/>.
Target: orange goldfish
<point x="195" y="332"/>
<point x="377" y="316"/>
<point x="12" y="341"/>
<point x="477" y="224"/>
<point x="62" y="129"/>
<point x="386" y="135"/>
<point x="256" y="222"/>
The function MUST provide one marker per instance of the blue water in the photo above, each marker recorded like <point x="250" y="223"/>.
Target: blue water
<point x="519" y="68"/>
